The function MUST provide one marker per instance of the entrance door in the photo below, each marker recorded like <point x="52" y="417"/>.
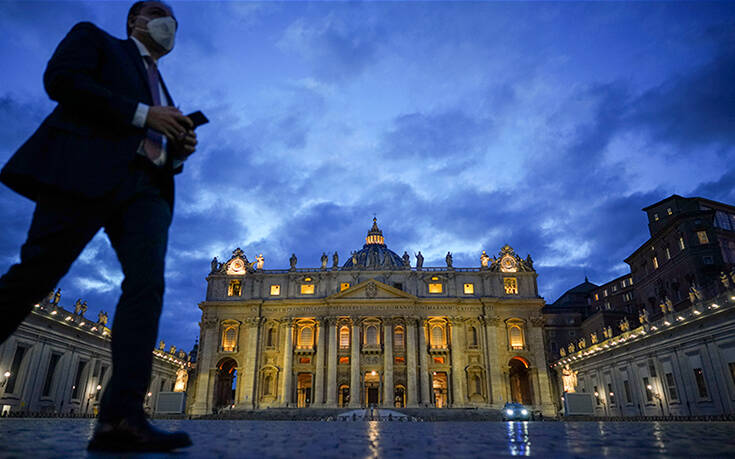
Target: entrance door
<point x="303" y="388"/>
<point x="344" y="395"/>
<point x="439" y="385"/>
<point x="399" y="399"/>
<point x="520" y="386"/>
<point x="372" y="388"/>
<point x="225" y="383"/>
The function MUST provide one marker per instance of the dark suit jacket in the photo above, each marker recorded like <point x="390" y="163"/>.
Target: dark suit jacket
<point x="87" y="145"/>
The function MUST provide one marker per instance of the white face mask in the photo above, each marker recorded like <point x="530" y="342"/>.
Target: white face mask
<point x="163" y="31"/>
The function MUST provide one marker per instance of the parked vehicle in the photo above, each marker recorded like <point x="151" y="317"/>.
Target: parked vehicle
<point x="513" y="411"/>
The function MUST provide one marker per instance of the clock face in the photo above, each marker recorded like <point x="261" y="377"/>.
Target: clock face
<point x="236" y="267"/>
<point x="508" y="264"/>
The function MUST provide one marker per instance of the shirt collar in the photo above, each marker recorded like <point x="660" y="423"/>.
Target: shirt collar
<point x="142" y="49"/>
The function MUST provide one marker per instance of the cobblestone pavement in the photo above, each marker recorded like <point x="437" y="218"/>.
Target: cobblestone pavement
<point x="67" y="438"/>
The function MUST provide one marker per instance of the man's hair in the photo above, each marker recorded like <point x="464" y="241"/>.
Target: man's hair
<point x="132" y="12"/>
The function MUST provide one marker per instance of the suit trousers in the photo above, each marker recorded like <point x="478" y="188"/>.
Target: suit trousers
<point x="136" y="219"/>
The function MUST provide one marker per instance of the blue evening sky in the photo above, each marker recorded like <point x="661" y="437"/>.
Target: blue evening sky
<point x="462" y="125"/>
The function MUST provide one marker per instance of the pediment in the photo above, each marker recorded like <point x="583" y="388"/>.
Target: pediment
<point x="372" y="290"/>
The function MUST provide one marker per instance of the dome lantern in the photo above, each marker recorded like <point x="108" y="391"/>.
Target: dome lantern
<point x="375" y="235"/>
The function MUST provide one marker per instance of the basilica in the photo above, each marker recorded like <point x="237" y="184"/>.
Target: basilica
<point x="373" y="331"/>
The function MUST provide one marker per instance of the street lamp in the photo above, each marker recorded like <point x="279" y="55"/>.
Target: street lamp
<point x="658" y="397"/>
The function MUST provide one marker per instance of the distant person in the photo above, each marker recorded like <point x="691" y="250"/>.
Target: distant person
<point x="105" y="158"/>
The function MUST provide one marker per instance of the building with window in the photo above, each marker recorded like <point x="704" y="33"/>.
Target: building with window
<point x="58" y="362"/>
<point x="373" y="331"/>
<point x="658" y="341"/>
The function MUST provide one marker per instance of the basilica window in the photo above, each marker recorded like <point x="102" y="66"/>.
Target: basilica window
<point x="234" y="288"/>
<point x="398" y="337"/>
<point x="344" y="337"/>
<point x="473" y="341"/>
<point x="515" y="333"/>
<point x="306" y="337"/>
<point x="469" y="289"/>
<point x="437" y="335"/>
<point x="268" y="385"/>
<point x="307" y="289"/>
<point x="435" y="287"/>
<point x="270" y="337"/>
<point x="371" y="335"/>
<point x="344" y="286"/>
<point x="702" y="236"/>
<point x="476" y="385"/>
<point x="655" y="263"/>
<point x="229" y="338"/>
<point x="511" y="285"/>
<point x="275" y="289"/>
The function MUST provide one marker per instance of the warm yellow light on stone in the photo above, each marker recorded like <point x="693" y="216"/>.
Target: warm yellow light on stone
<point x="435" y="288"/>
<point x="344" y="286"/>
<point x="307" y="289"/>
<point x="275" y="289"/>
<point x="469" y="289"/>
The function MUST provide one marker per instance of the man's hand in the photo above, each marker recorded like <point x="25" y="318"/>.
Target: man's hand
<point x="182" y="148"/>
<point x="170" y="122"/>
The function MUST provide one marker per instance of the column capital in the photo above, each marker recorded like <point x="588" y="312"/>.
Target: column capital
<point x="492" y="321"/>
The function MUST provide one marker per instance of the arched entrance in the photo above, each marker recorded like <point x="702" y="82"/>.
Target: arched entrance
<point x="399" y="399"/>
<point x="225" y="383"/>
<point x="439" y="386"/>
<point x="344" y="395"/>
<point x="520" y="381"/>
<point x="303" y="387"/>
<point x="372" y="388"/>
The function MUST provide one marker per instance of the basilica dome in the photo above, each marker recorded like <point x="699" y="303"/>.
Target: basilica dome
<point x="375" y="255"/>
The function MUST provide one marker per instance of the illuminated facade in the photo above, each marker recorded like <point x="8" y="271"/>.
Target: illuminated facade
<point x="373" y="331"/>
<point x="58" y="362"/>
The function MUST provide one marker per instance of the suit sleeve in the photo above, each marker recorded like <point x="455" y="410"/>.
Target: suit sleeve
<point x="70" y="78"/>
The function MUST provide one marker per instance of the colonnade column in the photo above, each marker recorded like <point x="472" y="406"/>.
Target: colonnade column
<point x="425" y="400"/>
<point x="287" y="363"/>
<point x="207" y="345"/>
<point x="250" y="367"/>
<point x="332" y="363"/>
<point x="388" y="364"/>
<point x="318" y="383"/>
<point x="458" y="376"/>
<point x="411" y="396"/>
<point x="495" y="372"/>
<point x="355" y="365"/>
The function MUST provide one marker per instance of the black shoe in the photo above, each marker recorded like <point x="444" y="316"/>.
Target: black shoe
<point x="134" y="434"/>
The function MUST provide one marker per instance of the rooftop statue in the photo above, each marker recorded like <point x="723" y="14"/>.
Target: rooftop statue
<point x="324" y="260"/>
<point x="293" y="261"/>
<point x="335" y="260"/>
<point x="259" y="261"/>
<point x="448" y="259"/>
<point x="484" y="260"/>
<point x="406" y="259"/>
<point x="419" y="261"/>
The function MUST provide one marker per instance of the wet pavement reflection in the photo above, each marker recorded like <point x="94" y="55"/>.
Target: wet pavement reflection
<point x="68" y="438"/>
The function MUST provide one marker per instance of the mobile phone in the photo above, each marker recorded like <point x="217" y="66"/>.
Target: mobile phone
<point x="197" y="118"/>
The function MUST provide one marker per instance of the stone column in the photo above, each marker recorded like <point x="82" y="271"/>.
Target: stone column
<point x="494" y="370"/>
<point x="332" y="364"/>
<point x="207" y="346"/>
<point x="425" y="399"/>
<point x="355" y="390"/>
<point x="287" y="363"/>
<point x="411" y="364"/>
<point x="388" y="364"/>
<point x="319" y="377"/>
<point x="250" y="368"/>
<point x="458" y="373"/>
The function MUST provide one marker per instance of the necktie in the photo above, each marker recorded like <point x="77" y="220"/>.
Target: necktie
<point x="153" y="142"/>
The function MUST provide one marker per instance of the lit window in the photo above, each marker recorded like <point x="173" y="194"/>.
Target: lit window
<point x="371" y="335"/>
<point x="234" y="288"/>
<point x="344" y="360"/>
<point x="604" y="292"/>
<point x="437" y="336"/>
<point x="516" y="337"/>
<point x="307" y="289"/>
<point x="469" y="289"/>
<point x="400" y="360"/>
<point x="681" y="243"/>
<point x="511" y="286"/>
<point x="701" y="384"/>
<point x="655" y="217"/>
<point x="702" y="236"/>
<point x="668" y="211"/>
<point x="275" y="289"/>
<point x="438" y="359"/>
<point x="229" y="337"/>
<point x="624" y="283"/>
<point x="630" y="281"/>
<point x="306" y="337"/>
<point x="344" y="286"/>
<point x="344" y="337"/>
<point x="435" y="288"/>
<point x="668" y="253"/>
<point x="655" y="263"/>
<point x="305" y="360"/>
<point x="614" y="288"/>
<point x="398" y="337"/>
<point x="597" y="297"/>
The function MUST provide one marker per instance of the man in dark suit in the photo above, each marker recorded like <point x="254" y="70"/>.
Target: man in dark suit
<point x="105" y="158"/>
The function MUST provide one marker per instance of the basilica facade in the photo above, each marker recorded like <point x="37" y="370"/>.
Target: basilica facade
<point x="374" y="331"/>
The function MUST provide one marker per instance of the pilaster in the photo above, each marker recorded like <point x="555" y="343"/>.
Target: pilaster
<point x="388" y="363"/>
